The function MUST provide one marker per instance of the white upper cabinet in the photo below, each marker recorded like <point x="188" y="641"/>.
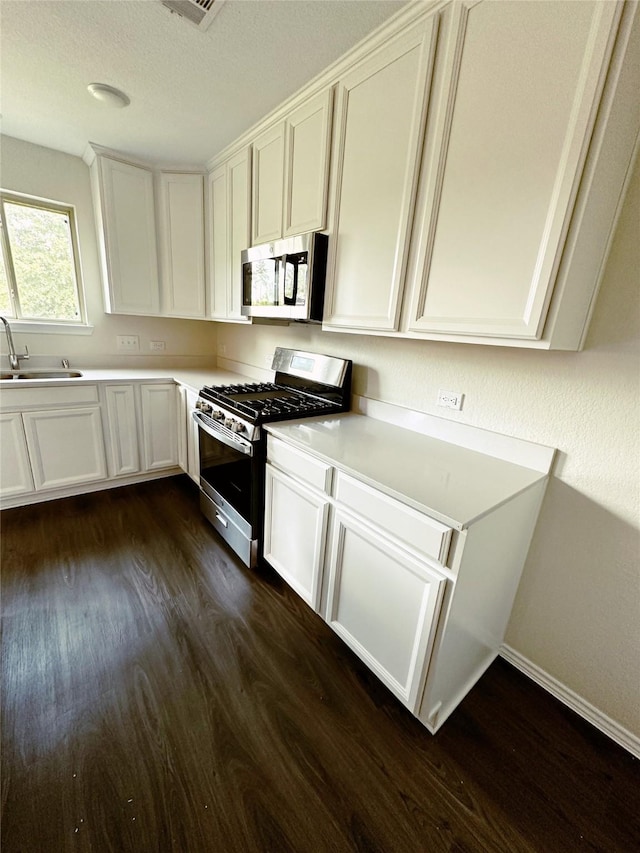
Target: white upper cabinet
<point x="268" y="174"/>
<point x="291" y="172"/>
<point x="181" y="222"/>
<point x="380" y="113"/>
<point x="306" y="169"/>
<point x="125" y="215"/>
<point x="505" y="147"/>
<point x="229" y="234"/>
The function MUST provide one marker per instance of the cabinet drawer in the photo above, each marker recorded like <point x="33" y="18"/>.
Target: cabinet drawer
<point x="22" y="399"/>
<point x="420" y="532"/>
<point x="299" y="464"/>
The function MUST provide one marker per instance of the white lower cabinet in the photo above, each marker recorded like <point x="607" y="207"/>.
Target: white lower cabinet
<point x="295" y="532"/>
<point x="124" y="457"/>
<point x="384" y="603"/>
<point x="188" y="449"/>
<point x="414" y="565"/>
<point x="66" y="447"/>
<point x="159" y="426"/>
<point x="15" y="470"/>
<point x="56" y="441"/>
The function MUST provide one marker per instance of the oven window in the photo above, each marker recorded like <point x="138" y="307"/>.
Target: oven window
<point x="227" y="471"/>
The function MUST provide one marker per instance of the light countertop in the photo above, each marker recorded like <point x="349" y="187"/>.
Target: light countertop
<point x="193" y="378"/>
<point x="450" y="483"/>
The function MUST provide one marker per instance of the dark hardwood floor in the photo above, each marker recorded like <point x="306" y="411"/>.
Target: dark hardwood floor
<point x="159" y="696"/>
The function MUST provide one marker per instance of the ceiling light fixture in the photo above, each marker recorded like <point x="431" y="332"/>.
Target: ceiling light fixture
<point x="108" y="96"/>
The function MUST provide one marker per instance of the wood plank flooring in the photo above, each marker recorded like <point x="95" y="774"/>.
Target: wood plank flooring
<point x="159" y="697"/>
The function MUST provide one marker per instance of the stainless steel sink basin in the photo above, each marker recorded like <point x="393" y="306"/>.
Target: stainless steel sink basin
<point x="41" y="374"/>
<point x="49" y="374"/>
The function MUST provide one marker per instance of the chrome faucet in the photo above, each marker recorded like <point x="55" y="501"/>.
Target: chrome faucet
<point x="14" y="358"/>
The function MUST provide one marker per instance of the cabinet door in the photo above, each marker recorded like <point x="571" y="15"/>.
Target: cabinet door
<point x="15" y="470"/>
<point x="294" y="533"/>
<point x="159" y="428"/>
<point x="218" y="243"/>
<point x="306" y="174"/>
<point x="130" y="237"/>
<point x="182" y="244"/>
<point x="384" y="604"/>
<point x="239" y="217"/>
<point x="188" y="450"/>
<point x="268" y="173"/>
<point x="229" y="234"/>
<point x="504" y="162"/>
<point x="123" y="430"/>
<point x="380" y="114"/>
<point x="66" y="447"/>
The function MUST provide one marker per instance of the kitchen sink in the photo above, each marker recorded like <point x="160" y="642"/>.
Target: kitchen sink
<point x="42" y="374"/>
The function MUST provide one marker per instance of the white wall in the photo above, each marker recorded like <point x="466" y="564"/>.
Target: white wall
<point x="43" y="172"/>
<point x="577" y="613"/>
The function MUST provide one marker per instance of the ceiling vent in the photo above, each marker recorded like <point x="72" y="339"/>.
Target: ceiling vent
<point x="199" y="12"/>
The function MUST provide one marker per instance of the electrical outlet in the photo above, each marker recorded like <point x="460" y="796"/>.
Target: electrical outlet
<point x="127" y="343"/>
<point x="268" y="360"/>
<point x="450" y="399"/>
<point x="157" y="346"/>
<point x="222" y="349"/>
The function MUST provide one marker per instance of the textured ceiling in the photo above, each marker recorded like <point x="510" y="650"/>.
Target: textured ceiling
<point x="192" y="92"/>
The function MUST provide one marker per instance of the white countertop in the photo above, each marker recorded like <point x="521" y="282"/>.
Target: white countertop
<point x="194" y="378"/>
<point x="450" y="483"/>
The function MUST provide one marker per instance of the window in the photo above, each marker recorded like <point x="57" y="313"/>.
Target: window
<point x="39" y="266"/>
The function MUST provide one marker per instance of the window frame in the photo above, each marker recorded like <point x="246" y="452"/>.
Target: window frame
<point x="42" y="324"/>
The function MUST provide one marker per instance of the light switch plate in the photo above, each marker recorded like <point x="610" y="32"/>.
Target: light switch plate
<point x="127" y="343"/>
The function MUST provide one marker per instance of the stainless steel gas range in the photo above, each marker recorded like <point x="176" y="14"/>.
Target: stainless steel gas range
<point x="232" y="443"/>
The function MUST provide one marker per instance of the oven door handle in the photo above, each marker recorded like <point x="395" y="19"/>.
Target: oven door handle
<point x="240" y="444"/>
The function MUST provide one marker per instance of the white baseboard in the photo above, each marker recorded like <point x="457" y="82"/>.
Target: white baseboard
<point x="86" y="488"/>
<point x="615" y="731"/>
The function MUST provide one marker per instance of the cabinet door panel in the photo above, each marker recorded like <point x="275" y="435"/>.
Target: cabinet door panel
<point x="229" y="234"/>
<point x="239" y="170"/>
<point x="159" y="415"/>
<point x="380" y="113"/>
<point x="504" y="163"/>
<point x="15" y="470"/>
<point x="384" y="604"/>
<point x="295" y="529"/>
<point x="130" y="236"/>
<point x="182" y="222"/>
<point x="268" y="173"/>
<point x="123" y="430"/>
<point x="188" y="450"/>
<point x="66" y="446"/>
<point x="308" y="131"/>
<point x="218" y="243"/>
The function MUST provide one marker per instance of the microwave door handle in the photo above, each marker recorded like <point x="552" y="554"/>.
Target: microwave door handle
<point x="290" y="300"/>
<point x="282" y="279"/>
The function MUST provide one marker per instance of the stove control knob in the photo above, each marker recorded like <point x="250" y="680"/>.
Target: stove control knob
<point x="217" y="415"/>
<point x="233" y="425"/>
<point x="204" y="407"/>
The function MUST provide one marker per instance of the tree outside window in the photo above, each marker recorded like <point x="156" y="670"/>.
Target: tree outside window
<point x="39" y="269"/>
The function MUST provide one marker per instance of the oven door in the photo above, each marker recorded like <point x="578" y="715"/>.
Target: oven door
<point x="231" y="476"/>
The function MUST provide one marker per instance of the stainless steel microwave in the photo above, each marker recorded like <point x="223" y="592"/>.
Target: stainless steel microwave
<point x="285" y="279"/>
